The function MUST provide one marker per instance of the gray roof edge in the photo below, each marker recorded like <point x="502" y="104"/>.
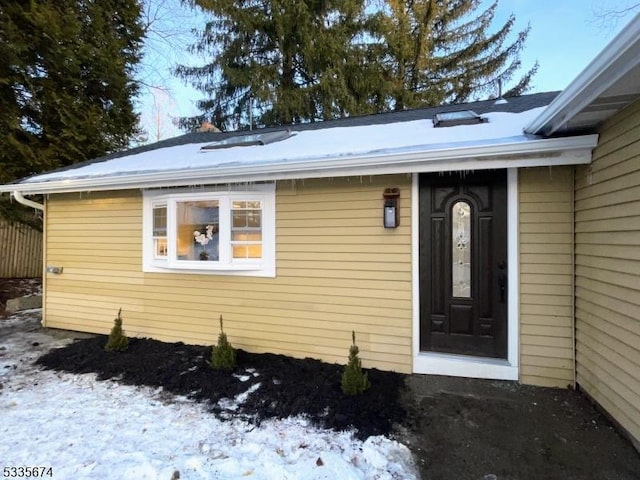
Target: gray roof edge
<point x="616" y="59"/>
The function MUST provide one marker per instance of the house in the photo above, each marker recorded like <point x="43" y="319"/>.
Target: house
<point x="502" y="243"/>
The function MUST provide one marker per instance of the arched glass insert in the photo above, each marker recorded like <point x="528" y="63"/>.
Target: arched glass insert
<point x="461" y="249"/>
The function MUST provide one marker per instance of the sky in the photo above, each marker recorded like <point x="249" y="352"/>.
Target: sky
<point x="73" y="426"/>
<point x="565" y="37"/>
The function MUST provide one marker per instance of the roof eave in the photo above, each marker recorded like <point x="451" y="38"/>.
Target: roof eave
<point x="615" y="61"/>
<point x="532" y="153"/>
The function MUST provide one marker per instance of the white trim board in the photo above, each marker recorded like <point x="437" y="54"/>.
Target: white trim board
<point x="461" y="365"/>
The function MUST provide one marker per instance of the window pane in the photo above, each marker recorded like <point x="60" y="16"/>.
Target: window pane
<point x="461" y="250"/>
<point x="239" y="219"/>
<point x="198" y="230"/>
<point x="246" y="229"/>
<point x="160" y="221"/>
<point x="160" y="231"/>
<point x="247" y="251"/>
<point x="244" y="236"/>
<point x="254" y="218"/>
<point x="160" y="247"/>
<point x="247" y="218"/>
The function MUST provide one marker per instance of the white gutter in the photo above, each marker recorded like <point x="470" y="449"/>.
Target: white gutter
<point x="620" y="56"/>
<point x="531" y="153"/>
<point x="24" y="201"/>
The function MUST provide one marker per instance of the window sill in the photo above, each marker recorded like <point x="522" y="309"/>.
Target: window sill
<point x="195" y="269"/>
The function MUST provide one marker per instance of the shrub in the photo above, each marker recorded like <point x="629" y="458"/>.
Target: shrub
<point x="224" y="355"/>
<point x="118" y="341"/>
<point x="354" y="380"/>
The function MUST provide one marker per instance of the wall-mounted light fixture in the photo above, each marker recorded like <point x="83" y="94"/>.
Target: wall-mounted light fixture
<point x="391" y="208"/>
<point x="52" y="269"/>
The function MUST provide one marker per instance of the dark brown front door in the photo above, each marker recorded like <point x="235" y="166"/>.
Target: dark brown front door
<point x="463" y="260"/>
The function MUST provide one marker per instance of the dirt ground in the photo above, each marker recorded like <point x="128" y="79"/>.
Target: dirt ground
<point x="456" y="428"/>
<point x="17" y="287"/>
<point x="492" y="430"/>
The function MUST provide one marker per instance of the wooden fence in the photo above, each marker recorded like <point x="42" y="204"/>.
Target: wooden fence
<point x="20" y="251"/>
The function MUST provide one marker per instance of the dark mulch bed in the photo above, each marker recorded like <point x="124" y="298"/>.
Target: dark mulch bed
<point x="288" y="386"/>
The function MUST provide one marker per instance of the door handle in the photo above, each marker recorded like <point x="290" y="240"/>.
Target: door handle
<point x="502" y="279"/>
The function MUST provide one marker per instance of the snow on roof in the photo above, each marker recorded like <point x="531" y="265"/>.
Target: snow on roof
<point x="391" y="143"/>
<point x="324" y="144"/>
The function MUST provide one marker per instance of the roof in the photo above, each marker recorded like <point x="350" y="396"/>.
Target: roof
<point x="513" y="105"/>
<point x="397" y="142"/>
<point x="608" y="84"/>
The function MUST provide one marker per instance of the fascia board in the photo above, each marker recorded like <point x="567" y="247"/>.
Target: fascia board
<point x="620" y="56"/>
<point x="542" y="152"/>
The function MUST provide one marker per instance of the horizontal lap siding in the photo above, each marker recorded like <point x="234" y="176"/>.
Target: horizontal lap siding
<point x="546" y="279"/>
<point x="608" y="271"/>
<point x="337" y="268"/>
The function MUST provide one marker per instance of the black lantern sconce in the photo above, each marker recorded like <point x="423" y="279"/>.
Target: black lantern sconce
<point x="391" y="208"/>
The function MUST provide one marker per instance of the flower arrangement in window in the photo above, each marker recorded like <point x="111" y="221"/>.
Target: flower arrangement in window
<point x="203" y="239"/>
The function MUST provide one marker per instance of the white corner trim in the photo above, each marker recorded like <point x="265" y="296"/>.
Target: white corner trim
<point x="459" y="365"/>
<point x="415" y="271"/>
<point x="513" y="264"/>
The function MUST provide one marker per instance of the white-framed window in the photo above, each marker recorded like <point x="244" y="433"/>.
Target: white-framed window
<point x="230" y="231"/>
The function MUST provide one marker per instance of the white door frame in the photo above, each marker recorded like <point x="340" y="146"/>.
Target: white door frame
<point x="462" y="365"/>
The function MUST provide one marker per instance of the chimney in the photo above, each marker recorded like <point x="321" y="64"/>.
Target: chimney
<point x="207" y="127"/>
<point x="500" y="100"/>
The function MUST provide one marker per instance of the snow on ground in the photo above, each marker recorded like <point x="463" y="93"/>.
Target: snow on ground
<point x="83" y="428"/>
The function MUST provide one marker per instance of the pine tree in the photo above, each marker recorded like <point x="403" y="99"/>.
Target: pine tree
<point x="354" y="380"/>
<point x="66" y="81"/>
<point x="287" y="58"/>
<point x="442" y="52"/>
<point x="321" y="59"/>
<point x="223" y="356"/>
<point x="117" y="341"/>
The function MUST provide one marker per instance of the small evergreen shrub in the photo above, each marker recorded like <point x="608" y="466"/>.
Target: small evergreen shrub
<point x="224" y="355"/>
<point x="354" y="380"/>
<point x="118" y="341"/>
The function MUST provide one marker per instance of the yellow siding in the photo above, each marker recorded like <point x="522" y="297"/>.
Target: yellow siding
<point x="338" y="270"/>
<point x="608" y="271"/>
<point x="546" y="279"/>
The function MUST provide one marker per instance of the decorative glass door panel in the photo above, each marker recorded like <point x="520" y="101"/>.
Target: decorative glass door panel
<point x="461" y="250"/>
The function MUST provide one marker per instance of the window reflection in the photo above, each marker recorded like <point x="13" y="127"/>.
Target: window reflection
<point x="197" y="230"/>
